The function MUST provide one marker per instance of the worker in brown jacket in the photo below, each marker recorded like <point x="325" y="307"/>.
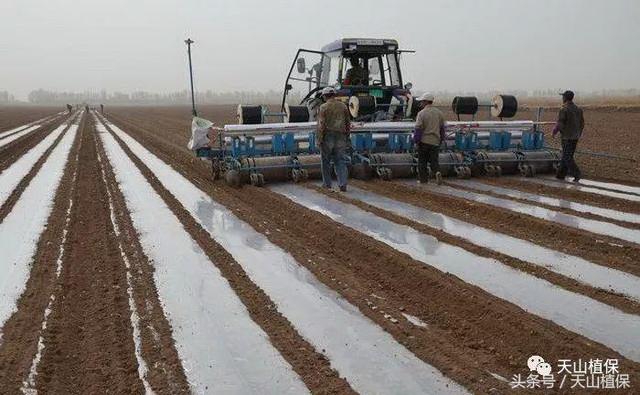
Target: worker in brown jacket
<point x="429" y="134"/>
<point x="334" y="125"/>
<point x="570" y="125"/>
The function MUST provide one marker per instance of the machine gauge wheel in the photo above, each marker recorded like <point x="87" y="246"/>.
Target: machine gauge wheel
<point x="305" y="174"/>
<point x="491" y="170"/>
<point x="467" y="172"/>
<point x="232" y="178"/>
<point x="256" y="179"/>
<point x="296" y="175"/>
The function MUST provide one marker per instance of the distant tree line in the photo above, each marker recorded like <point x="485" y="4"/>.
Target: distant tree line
<point x="47" y="97"/>
<point x="6" y="98"/>
<point x="42" y="96"/>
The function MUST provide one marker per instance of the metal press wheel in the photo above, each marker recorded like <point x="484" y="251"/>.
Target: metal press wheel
<point x="232" y="178"/>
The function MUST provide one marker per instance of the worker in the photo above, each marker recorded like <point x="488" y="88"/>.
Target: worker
<point x="334" y="125"/>
<point x="101" y="108"/>
<point x="570" y="125"/>
<point x="429" y="133"/>
<point x="69" y="108"/>
<point x="356" y="75"/>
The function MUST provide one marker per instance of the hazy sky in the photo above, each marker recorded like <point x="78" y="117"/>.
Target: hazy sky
<point x="131" y="45"/>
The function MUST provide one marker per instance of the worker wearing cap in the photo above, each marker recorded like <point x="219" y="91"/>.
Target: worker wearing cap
<point x="570" y="125"/>
<point x="429" y="133"/>
<point x="334" y="124"/>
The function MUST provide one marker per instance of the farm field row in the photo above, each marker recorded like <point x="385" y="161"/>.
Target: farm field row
<point x="128" y="269"/>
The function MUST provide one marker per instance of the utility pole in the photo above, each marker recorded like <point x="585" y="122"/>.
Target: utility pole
<point x="193" y="96"/>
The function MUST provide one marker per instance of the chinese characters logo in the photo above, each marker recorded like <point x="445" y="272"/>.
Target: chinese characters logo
<point x="591" y="374"/>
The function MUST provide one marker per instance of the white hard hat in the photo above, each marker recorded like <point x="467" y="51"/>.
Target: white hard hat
<point x="329" y="90"/>
<point x="426" y="97"/>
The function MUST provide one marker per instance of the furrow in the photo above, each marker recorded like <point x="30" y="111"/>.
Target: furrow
<point x="22" y="227"/>
<point x="219" y="345"/>
<point x="573" y="267"/>
<point x="365" y="355"/>
<point x="549" y="201"/>
<point x="589" y="225"/>
<point x="577" y="313"/>
<point x="582" y="188"/>
<point x="621" y="188"/>
<point x="38" y="122"/>
<point x="10" y="178"/>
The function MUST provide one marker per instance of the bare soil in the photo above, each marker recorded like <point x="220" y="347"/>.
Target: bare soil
<point x="14" y="116"/>
<point x="14" y="150"/>
<point x="88" y="340"/>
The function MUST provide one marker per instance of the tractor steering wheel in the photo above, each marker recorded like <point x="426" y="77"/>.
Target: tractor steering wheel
<point x="311" y="92"/>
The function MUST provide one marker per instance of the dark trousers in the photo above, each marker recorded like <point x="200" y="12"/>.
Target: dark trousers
<point x="567" y="163"/>
<point x="427" y="154"/>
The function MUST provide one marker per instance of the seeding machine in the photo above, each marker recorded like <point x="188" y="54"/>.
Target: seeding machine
<point x="268" y="146"/>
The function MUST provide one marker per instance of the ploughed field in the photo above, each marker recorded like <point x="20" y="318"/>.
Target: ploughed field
<point x="126" y="269"/>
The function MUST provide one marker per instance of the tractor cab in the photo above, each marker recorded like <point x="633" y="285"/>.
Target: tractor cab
<point x="365" y="72"/>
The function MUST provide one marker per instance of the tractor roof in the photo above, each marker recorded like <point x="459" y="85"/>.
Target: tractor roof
<point x="354" y="43"/>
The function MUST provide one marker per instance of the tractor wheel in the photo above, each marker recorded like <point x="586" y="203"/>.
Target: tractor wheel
<point x="232" y="178"/>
